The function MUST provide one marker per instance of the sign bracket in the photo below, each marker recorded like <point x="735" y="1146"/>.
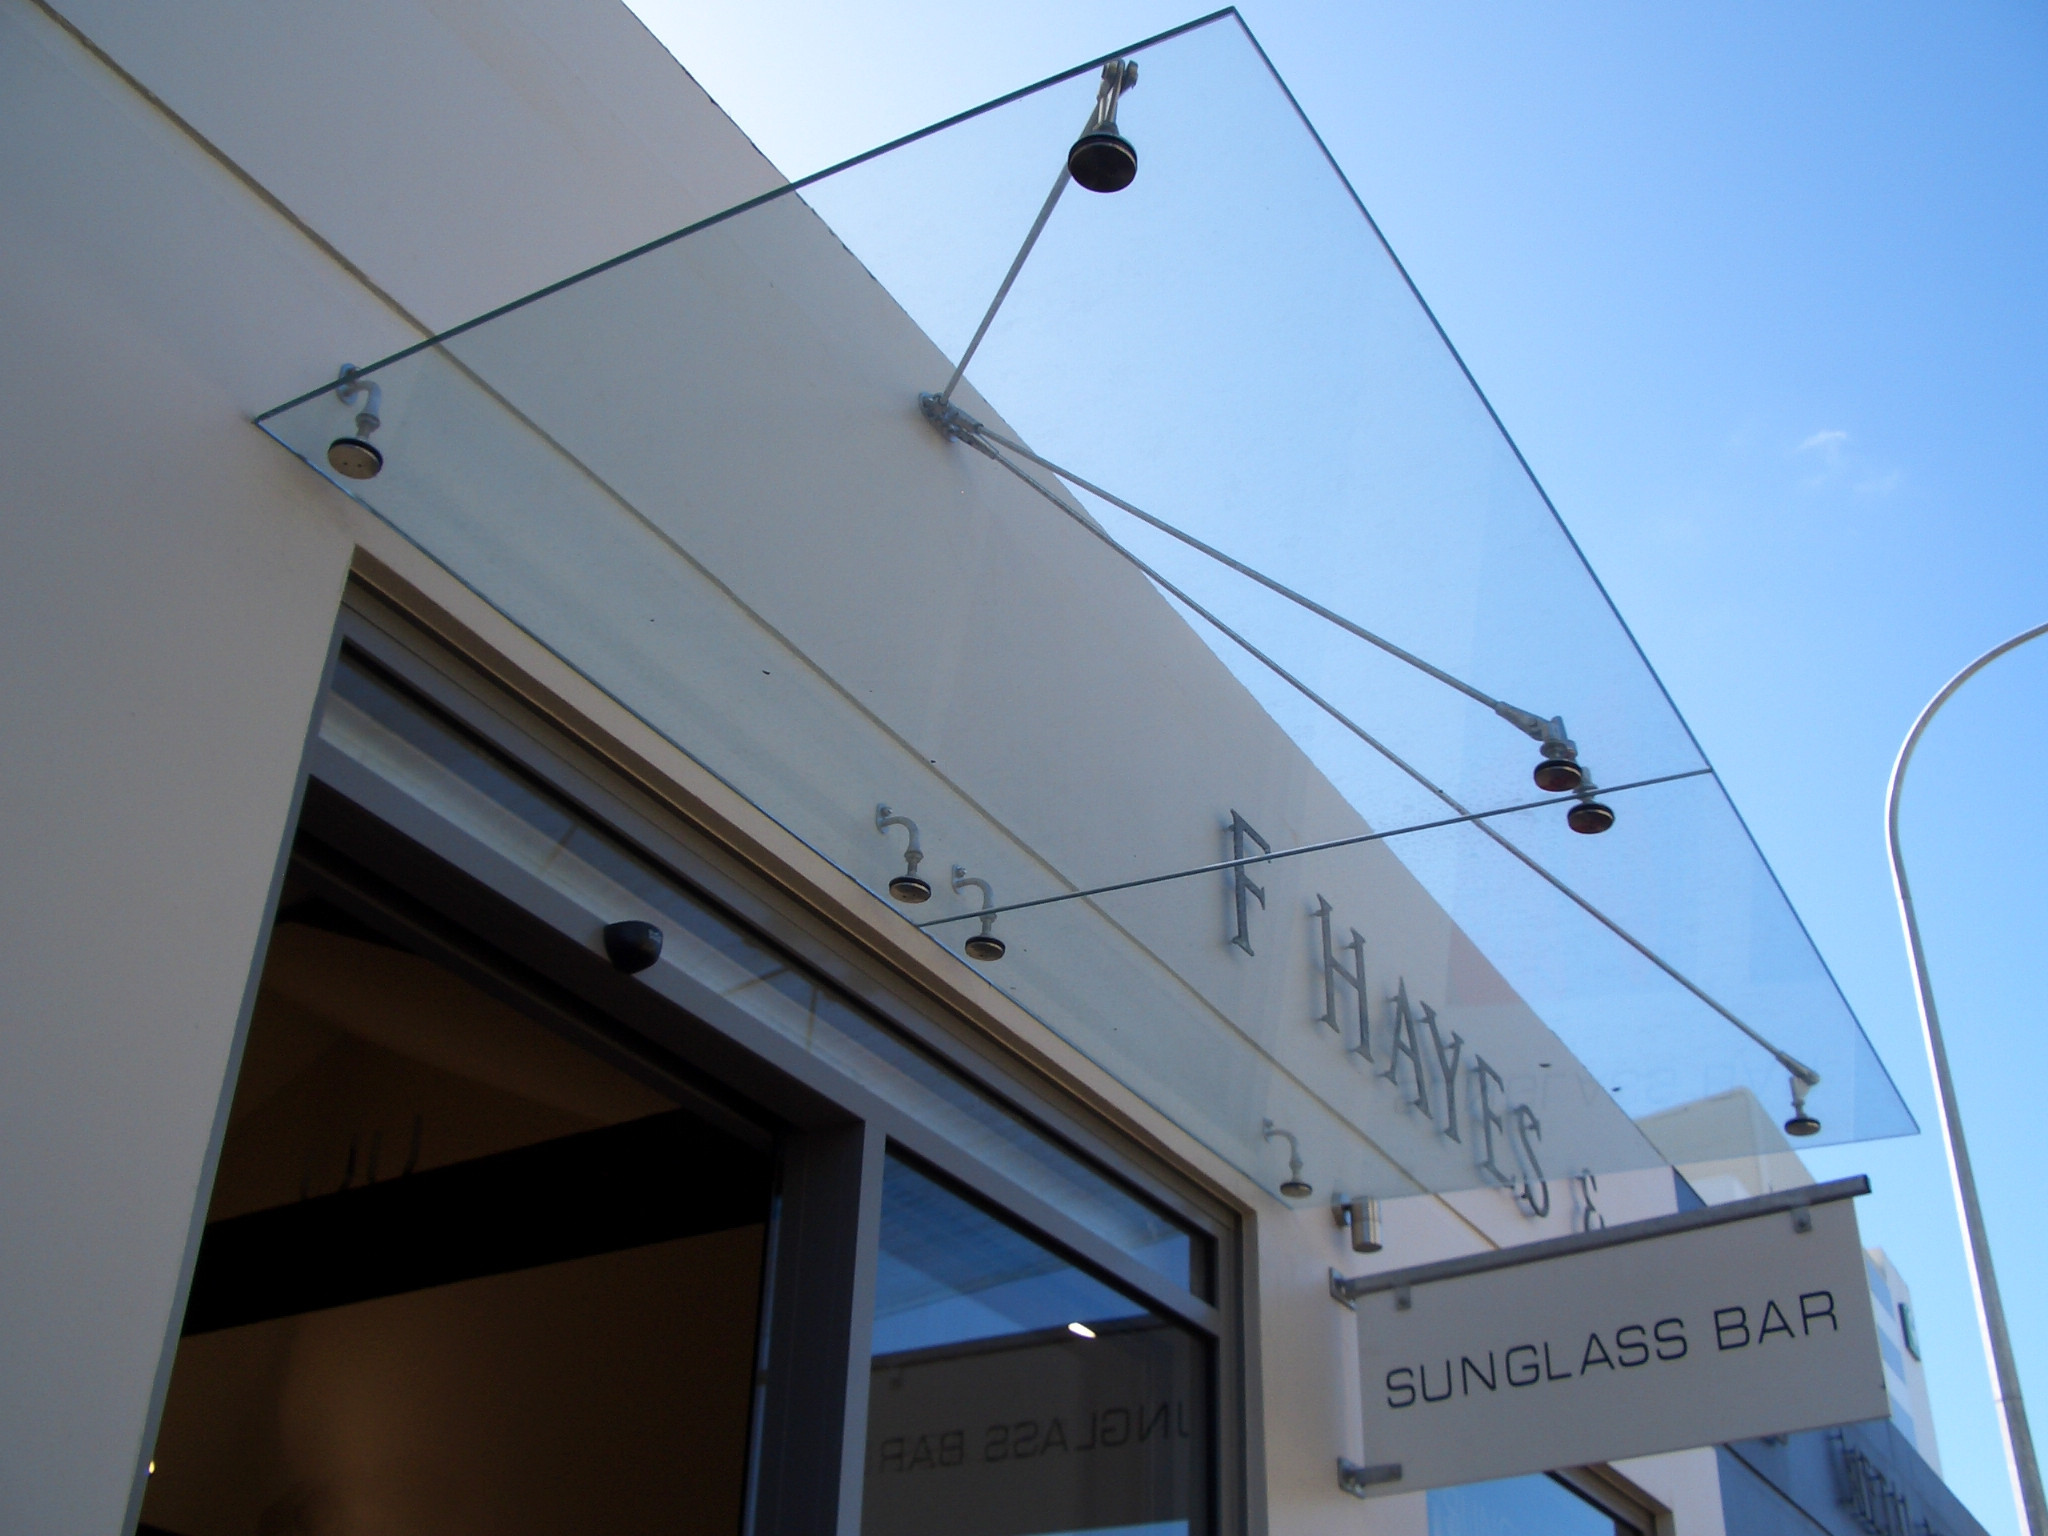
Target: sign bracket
<point x="1799" y="1202"/>
<point x="1355" y="1479"/>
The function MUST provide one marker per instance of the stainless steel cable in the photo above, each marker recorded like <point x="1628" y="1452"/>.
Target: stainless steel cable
<point x="1274" y="857"/>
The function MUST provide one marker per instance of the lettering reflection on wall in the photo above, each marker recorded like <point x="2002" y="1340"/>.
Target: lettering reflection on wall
<point x="1408" y="1049"/>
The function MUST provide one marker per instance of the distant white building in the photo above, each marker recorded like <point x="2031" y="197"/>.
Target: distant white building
<point x="1702" y="1138"/>
<point x="1899" y="1343"/>
<point x="1736" y="1118"/>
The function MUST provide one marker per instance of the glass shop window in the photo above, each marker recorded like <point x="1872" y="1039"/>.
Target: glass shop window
<point x="1522" y="1506"/>
<point x="458" y="1276"/>
<point x="1014" y="1394"/>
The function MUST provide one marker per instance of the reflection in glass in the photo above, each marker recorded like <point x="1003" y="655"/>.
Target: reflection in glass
<point x="1013" y="1394"/>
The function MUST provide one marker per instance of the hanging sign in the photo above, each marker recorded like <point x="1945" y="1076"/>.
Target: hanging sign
<point x="1721" y="1324"/>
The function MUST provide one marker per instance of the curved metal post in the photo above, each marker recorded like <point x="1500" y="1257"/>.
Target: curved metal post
<point x="1296" y="1187"/>
<point x="352" y="385"/>
<point x="908" y="886"/>
<point x="983" y="945"/>
<point x="2019" y="1440"/>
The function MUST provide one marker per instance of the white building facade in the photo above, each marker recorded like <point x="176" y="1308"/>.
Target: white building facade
<point x="470" y="1062"/>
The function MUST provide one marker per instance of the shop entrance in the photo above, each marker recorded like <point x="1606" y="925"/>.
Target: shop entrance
<point x="459" y="1274"/>
<point x="513" y="1234"/>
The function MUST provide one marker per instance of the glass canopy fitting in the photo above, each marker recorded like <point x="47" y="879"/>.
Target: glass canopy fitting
<point x="1261" y="861"/>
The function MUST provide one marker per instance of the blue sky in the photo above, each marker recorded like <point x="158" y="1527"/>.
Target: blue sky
<point x="1757" y="289"/>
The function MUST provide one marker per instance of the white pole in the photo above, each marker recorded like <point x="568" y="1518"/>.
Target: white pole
<point x="2019" y="1440"/>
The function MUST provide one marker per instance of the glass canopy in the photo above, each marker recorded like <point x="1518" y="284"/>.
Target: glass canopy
<point x="701" y="474"/>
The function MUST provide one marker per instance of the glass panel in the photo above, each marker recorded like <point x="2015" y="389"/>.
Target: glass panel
<point x="701" y="476"/>
<point x="415" y="749"/>
<point x="1014" y="1394"/>
<point x="456" y="1274"/>
<point x="1518" y="1506"/>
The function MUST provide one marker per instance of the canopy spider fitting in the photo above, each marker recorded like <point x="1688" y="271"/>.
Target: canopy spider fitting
<point x="983" y="945"/>
<point x="1295" y="1187"/>
<point x="357" y="458"/>
<point x="1102" y="159"/>
<point x="909" y="887"/>
<point x="912" y="889"/>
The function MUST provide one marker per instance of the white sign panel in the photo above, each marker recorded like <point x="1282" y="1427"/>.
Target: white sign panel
<point x="1742" y="1320"/>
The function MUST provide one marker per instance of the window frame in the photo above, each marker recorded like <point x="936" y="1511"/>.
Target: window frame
<point x="1617" y="1498"/>
<point x="819" y="1287"/>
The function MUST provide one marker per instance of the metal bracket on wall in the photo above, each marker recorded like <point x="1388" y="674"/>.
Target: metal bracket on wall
<point x="909" y="886"/>
<point x="983" y="945"/>
<point x="1295" y="1187"/>
<point x="1345" y="1293"/>
<point x="1355" y="1479"/>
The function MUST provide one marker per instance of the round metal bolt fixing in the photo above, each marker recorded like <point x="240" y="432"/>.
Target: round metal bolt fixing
<point x="1103" y="161"/>
<point x="353" y="458"/>
<point x="1589" y="817"/>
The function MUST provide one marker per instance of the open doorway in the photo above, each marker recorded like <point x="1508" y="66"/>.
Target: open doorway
<point x="459" y="1275"/>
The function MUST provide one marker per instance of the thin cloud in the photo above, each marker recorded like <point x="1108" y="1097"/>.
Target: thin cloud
<point x="1833" y="462"/>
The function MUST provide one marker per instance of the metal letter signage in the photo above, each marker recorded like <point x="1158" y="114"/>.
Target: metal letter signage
<point x="1334" y="972"/>
<point x="1420" y="1061"/>
<point x="1241" y="885"/>
<point x="1722" y="1324"/>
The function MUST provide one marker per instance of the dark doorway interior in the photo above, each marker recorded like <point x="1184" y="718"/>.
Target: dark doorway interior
<point x="459" y="1276"/>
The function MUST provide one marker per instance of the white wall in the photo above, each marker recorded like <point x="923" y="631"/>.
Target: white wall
<point x="457" y="155"/>
<point x="173" y="577"/>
